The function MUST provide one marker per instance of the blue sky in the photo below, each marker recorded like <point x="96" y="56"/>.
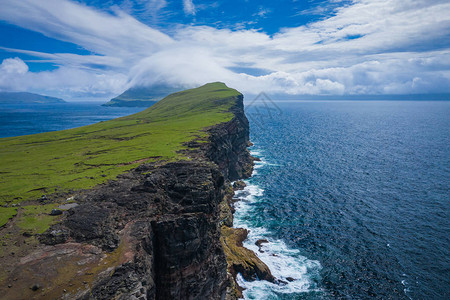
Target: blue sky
<point x="92" y="49"/>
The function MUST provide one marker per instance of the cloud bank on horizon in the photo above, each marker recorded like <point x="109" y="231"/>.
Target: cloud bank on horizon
<point x="92" y="48"/>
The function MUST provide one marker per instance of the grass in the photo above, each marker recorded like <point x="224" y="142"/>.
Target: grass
<point x="83" y="157"/>
<point x="35" y="219"/>
<point x="6" y="213"/>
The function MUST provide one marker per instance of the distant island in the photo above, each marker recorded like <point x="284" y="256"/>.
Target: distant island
<point x="141" y="96"/>
<point x="27" y="98"/>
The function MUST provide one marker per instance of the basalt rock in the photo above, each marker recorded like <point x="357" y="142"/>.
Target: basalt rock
<point x="171" y="213"/>
<point x="259" y="243"/>
<point x="228" y="147"/>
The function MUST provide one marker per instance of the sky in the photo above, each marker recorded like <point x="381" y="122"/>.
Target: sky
<point x="93" y="49"/>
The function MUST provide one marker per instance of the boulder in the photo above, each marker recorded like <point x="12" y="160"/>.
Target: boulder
<point x="55" y="212"/>
<point x="239" y="185"/>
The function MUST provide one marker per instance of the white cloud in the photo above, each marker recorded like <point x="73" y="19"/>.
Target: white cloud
<point x="189" y="7"/>
<point x="262" y="12"/>
<point x="67" y="82"/>
<point x="96" y="31"/>
<point x="13" y="66"/>
<point x="371" y="46"/>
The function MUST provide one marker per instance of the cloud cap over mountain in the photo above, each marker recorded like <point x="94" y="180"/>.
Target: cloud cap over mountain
<point x="100" y="48"/>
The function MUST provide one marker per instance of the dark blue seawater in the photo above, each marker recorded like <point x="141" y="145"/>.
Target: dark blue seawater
<point x="35" y="118"/>
<point x="353" y="198"/>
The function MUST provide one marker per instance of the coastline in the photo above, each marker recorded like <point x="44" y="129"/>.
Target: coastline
<point x="152" y="232"/>
<point x="294" y="274"/>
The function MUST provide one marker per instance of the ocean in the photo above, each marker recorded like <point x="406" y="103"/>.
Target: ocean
<point x="352" y="197"/>
<point x="22" y="119"/>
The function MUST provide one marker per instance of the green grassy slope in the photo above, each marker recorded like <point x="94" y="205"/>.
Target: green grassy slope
<point x="79" y="158"/>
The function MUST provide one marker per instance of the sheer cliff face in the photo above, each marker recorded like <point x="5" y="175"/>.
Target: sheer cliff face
<point x="190" y="263"/>
<point x="228" y="147"/>
<point x="154" y="233"/>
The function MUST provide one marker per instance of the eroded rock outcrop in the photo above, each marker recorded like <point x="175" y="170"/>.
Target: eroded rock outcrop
<point x="241" y="259"/>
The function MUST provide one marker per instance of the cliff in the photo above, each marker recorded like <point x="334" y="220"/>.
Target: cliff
<point x="155" y="231"/>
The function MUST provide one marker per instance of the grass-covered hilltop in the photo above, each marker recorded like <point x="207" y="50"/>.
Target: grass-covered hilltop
<point x="58" y="162"/>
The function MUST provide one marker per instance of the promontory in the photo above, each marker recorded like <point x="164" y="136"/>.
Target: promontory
<point x="138" y="207"/>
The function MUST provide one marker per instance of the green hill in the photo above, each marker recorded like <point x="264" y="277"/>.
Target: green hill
<point x="141" y="96"/>
<point x="26" y="98"/>
<point x="79" y="158"/>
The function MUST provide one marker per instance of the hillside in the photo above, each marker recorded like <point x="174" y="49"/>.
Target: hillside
<point x="132" y="208"/>
<point x="83" y="157"/>
<point x="141" y="96"/>
<point x="26" y="98"/>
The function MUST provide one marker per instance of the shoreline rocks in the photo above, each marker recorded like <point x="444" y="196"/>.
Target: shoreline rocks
<point x="239" y="185"/>
<point x="259" y="244"/>
<point x="242" y="260"/>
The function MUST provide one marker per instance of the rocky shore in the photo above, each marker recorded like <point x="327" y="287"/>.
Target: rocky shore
<point x="160" y="231"/>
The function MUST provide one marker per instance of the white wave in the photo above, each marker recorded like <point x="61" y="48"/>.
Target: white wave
<point x="254" y="152"/>
<point x="294" y="272"/>
<point x="261" y="163"/>
<point x="406" y="289"/>
<point x="258" y="164"/>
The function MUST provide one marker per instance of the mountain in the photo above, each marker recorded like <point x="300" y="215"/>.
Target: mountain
<point x="26" y="98"/>
<point x="142" y="96"/>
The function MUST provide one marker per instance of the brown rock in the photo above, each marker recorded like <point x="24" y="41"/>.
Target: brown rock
<point x="240" y="259"/>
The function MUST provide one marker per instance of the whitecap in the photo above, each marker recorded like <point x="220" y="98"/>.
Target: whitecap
<point x="295" y="273"/>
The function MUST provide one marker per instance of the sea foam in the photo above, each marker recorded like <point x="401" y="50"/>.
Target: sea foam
<point x="295" y="273"/>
